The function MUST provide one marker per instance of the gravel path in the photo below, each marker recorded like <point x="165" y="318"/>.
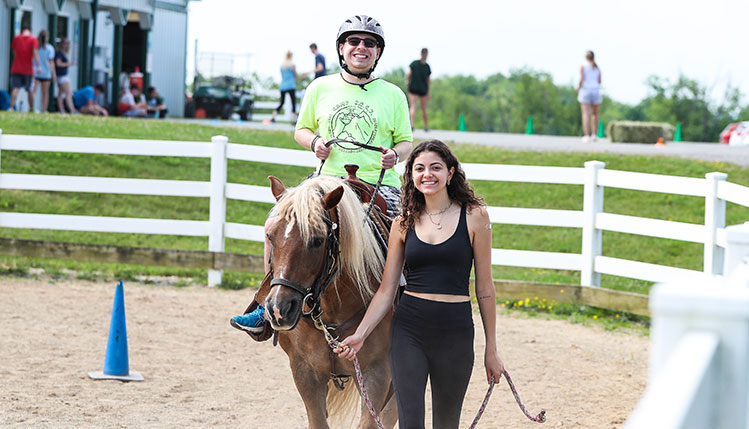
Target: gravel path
<point x="712" y="152"/>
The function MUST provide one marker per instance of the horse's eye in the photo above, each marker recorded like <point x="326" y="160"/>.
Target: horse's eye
<point x="316" y="242"/>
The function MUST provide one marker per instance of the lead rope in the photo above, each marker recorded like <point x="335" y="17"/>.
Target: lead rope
<point x="333" y="343"/>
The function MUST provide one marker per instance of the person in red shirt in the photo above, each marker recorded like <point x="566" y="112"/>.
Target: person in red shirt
<point x="25" y="51"/>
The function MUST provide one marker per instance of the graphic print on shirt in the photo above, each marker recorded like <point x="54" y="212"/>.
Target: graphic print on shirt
<point x="353" y="120"/>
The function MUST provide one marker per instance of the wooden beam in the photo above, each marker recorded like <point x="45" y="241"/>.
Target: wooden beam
<point x="131" y="255"/>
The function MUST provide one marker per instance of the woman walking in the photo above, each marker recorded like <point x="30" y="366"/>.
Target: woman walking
<point x="444" y="230"/>
<point x="46" y="74"/>
<point x="288" y="86"/>
<point x="63" y="80"/>
<point x="589" y="96"/>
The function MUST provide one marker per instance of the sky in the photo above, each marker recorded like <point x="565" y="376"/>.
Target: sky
<point x="706" y="41"/>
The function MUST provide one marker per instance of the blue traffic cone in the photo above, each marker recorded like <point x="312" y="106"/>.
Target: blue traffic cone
<point x="116" y="365"/>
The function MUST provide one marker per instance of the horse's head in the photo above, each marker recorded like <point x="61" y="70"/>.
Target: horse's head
<point x="303" y="240"/>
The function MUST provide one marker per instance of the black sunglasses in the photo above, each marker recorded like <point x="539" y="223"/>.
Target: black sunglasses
<point x="354" y="41"/>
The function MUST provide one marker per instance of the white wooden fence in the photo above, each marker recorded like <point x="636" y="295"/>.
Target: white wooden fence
<point x="591" y="219"/>
<point x="699" y="355"/>
<point x="285" y="115"/>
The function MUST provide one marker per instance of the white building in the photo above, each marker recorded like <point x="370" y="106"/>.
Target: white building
<point x="148" y="34"/>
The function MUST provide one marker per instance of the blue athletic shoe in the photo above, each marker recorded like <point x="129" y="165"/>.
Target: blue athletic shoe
<point x="252" y="321"/>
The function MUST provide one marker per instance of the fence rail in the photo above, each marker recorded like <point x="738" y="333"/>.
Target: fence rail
<point x="591" y="219"/>
<point x="698" y="375"/>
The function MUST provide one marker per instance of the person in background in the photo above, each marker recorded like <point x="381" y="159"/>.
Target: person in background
<point x="288" y="85"/>
<point x="85" y="100"/>
<point x="25" y="51"/>
<point x="319" y="61"/>
<point x="62" y="63"/>
<point x="418" y="82"/>
<point x="133" y="104"/>
<point x="155" y="103"/>
<point x="589" y="96"/>
<point x="46" y="74"/>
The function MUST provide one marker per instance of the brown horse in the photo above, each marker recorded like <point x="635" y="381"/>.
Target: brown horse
<point x="326" y="262"/>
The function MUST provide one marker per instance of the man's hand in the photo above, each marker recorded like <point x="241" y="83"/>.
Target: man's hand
<point x="389" y="159"/>
<point x="321" y="150"/>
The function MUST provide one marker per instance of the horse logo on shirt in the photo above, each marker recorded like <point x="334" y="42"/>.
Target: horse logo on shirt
<point x="353" y="120"/>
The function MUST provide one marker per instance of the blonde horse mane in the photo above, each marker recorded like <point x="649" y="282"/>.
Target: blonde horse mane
<point x="360" y="252"/>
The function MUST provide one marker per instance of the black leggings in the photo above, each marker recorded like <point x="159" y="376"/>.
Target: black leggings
<point x="435" y="339"/>
<point x="292" y="95"/>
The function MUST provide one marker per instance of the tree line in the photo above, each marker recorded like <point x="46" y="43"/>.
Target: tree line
<point x="503" y="104"/>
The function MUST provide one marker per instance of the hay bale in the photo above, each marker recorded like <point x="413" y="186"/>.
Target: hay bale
<point x="639" y="132"/>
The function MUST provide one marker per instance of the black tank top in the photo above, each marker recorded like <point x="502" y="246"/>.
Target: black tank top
<point x="440" y="268"/>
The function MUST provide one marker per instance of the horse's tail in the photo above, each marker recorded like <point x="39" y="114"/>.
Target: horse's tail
<point x="344" y="406"/>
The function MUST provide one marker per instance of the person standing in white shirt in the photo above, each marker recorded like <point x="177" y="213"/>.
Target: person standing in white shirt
<point x="589" y="96"/>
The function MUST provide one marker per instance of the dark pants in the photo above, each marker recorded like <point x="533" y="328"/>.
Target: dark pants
<point x="434" y="339"/>
<point x="292" y="95"/>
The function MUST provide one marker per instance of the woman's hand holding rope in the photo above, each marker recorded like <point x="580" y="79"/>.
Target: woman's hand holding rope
<point x="494" y="366"/>
<point x="348" y="348"/>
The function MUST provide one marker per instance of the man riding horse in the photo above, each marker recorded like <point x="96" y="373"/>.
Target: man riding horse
<point x="352" y="105"/>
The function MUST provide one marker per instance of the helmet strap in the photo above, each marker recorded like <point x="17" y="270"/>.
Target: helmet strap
<point x="366" y="75"/>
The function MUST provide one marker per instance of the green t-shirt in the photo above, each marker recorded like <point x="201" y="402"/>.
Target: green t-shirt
<point x="333" y="108"/>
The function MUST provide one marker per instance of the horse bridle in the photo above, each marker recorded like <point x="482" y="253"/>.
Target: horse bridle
<point x="312" y="295"/>
<point x="338" y="142"/>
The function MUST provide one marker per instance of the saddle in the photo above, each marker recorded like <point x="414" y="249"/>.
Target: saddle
<point x="380" y="224"/>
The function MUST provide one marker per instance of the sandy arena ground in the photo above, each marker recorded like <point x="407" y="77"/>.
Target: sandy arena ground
<point x="199" y="372"/>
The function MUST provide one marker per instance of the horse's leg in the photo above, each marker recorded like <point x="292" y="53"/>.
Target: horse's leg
<point x="377" y="382"/>
<point x="313" y="388"/>
<point x="377" y="378"/>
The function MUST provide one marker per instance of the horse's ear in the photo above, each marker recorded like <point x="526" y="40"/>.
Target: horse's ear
<point x="276" y="187"/>
<point x="332" y="198"/>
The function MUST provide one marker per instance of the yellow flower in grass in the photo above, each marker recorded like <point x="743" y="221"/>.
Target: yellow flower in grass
<point x="595" y="317"/>
<point x="617" y="316"/>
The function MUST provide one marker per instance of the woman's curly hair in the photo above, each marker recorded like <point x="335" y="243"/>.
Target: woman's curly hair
<point x="459" y="190"/>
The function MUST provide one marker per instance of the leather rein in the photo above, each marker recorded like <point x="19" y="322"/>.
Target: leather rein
<point x="338" y="142"/>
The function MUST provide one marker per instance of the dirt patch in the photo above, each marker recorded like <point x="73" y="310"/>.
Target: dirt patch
<point x="199" y="372"/>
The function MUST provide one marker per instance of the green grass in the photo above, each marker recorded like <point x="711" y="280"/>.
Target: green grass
<point x="582" y="314"/>
<point x="652" y="205"/>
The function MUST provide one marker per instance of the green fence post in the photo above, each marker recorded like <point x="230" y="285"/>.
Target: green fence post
<point x="529" y="126"/>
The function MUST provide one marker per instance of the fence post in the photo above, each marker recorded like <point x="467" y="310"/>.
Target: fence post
<point x="592" y="237"/>
<point x="217" y="215"/>
<point x="681" y="310"/>
<point x="737" y="247"/>
<point x="715" y="218"/>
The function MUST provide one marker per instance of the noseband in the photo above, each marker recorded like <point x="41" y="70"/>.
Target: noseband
<point x="312" y="295"/>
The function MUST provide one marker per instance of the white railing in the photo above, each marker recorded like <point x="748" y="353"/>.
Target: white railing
<point x="591" y="219"/>
<point x="699" y="356"/>
<point x="285" y="115"/>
